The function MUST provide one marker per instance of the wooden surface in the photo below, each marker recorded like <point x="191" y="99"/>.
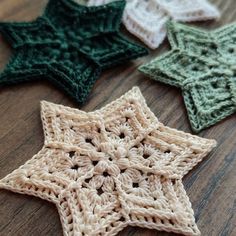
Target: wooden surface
<point x="211" y="186"/>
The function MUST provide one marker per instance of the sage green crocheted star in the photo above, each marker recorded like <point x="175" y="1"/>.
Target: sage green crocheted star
<point x="68" y="45"/>
<point x="202" y="64"/>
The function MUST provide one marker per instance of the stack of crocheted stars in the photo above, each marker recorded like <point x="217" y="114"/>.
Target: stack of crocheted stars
<point x="147" y="19"/>
<point x="119" y="165"/>
<point x="202" y="64"/>
<point x="111" y="168"/>
<point x="68" y="45"/>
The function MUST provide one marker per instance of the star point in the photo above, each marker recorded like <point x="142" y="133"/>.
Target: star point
<point x="111" y="168"/>
<point x="201" y="63"/>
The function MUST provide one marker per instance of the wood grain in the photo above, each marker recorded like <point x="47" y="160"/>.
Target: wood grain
<point x="211" y="186"/>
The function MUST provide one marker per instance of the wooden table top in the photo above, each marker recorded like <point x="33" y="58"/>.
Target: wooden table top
<point x="211" y="186"/>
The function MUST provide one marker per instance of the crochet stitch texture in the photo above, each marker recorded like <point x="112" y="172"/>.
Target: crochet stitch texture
<point x="113" y="167"/>
<point x="146" y="19"/>
<point x="202" y="64"/>
<point x="69" y="45"/>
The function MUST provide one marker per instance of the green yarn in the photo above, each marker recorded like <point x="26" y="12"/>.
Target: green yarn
<point x="202" y="64"/>
<point x="69" y="45"/>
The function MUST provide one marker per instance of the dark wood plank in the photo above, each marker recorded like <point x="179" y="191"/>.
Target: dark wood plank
<point x="211" y="186"/>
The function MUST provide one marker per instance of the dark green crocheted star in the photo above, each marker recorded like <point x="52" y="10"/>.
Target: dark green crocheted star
<point x="202" y="64"/>
<point x="69" y="45"/>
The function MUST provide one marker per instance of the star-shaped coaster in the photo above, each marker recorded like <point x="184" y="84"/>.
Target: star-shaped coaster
<point x="147" y="18"/>
<point x="202" y="64"/>
<point x="69" y="46"/>
<point x="113" y="167"/>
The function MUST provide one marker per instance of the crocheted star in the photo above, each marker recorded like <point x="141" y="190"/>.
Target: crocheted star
<point x="68" y="45"/>
<point x="146" y="19"/>
<point x="113" y="167"/>
<point x="202" y="64"/>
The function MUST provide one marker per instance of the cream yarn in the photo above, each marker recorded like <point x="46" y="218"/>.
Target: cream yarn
<point x="146" y="19"/>
<point x="111" y="168"/>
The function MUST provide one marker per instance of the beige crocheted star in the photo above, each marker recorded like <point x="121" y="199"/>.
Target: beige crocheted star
<point x="111" y="168"/>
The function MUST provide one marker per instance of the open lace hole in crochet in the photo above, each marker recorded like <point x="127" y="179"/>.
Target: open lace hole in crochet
<point x="94" y="163"/>
<point x="167" y="151"/>
<point x="213" y="46"/>
<point x="195" y="68"/>
<point x="100" y="191"/>
<point x="143" y="142"/>
<point x="71" y="154"/>
<point x="126" y="119"/>
<point x="122" y="135"/>
<point x="204" y="52"/>
<point x="105" y="174"/>
<point x="231" y="50"/>
<point x="87" y="180"/>
<point x="89" y="140"/>
<point x="214" y="85"/>
<point x="135" y="185"/>
<point x="75" y="167"/>
<point x="146" y="156"/>
<point x="171" y="222"/>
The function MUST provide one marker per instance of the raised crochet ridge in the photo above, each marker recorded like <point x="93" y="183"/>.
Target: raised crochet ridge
<point x="69" y="45"/>
<point x="146" y="19"/>
<point x="113" y="167"/>
<point x="202" y="64"/>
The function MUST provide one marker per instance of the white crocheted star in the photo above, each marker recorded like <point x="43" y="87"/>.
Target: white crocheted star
<point x="146" y="19"/>
<point x="111" y="168"/>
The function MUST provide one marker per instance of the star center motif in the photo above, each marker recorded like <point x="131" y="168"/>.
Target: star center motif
<point x="111" y="168"/>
